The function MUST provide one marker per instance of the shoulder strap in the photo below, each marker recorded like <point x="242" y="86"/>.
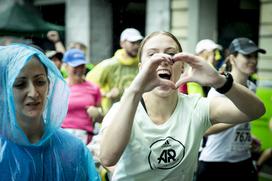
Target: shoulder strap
<point x="143" y="103"/>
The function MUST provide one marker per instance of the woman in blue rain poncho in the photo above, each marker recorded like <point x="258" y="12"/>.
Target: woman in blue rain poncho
<point x="33" y="103"/>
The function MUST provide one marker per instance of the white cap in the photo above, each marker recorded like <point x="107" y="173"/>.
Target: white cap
<point x="131" y="34"/>
<point x="206" y="44"/>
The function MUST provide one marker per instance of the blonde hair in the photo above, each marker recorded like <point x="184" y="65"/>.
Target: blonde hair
<point x="156" y="33"/>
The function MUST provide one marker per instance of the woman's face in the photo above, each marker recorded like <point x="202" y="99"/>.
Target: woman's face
<point x="162" y="43"/>
<point x="76" y="72"/>
<point x="245" y="64"/>
<point x="30" y="90"/>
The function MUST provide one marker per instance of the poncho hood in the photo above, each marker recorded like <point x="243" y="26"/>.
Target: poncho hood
<point x="12" y="59"/>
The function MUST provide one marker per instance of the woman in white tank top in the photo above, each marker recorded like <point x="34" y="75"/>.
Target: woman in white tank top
<point x="227" y="153"/>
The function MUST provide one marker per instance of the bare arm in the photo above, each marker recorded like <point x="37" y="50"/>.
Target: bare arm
<point x="53" y="36"/>
<point x="118" y="132"/>
<point x="217" y="128"/>
<point x="116" y="136"/>
<point x="241" y="105"/>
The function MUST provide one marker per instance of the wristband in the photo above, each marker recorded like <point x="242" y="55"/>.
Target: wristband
<point x="228" y="84"/>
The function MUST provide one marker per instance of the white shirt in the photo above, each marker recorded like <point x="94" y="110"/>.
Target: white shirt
<point x="164" y="152"/>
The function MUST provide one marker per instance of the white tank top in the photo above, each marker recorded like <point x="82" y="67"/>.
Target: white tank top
<point x="231" y="145"/>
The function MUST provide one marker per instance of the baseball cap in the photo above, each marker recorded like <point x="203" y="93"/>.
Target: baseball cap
<point x="206" y="44"/>
<point x="131" y="34"/>
<point x="244" y="46"/>
<point x="52" y="53"/>
<point x="74" y="57"/>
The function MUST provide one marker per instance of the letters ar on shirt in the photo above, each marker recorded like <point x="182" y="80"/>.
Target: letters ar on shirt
<point x="166" y="153"/>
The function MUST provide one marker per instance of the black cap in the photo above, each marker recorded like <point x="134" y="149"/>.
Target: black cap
<point x="244" y="46"/>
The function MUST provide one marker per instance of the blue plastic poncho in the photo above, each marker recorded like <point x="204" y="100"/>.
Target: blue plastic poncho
<point x="58" y="155"/>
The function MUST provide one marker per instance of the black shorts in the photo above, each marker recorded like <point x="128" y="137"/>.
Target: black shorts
<point x="221" y="171"/>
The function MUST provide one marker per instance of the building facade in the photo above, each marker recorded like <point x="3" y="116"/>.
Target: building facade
<point x="98" y="23"/>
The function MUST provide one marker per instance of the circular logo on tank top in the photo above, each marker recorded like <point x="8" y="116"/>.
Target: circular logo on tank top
<point x="166" y="153"/>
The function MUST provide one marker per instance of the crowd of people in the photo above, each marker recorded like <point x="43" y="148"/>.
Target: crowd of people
<point x="150" y="112"/>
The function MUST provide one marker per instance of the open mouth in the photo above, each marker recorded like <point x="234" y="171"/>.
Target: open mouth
<point x="33" y="104"/>
<point x="164" y="74"/>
